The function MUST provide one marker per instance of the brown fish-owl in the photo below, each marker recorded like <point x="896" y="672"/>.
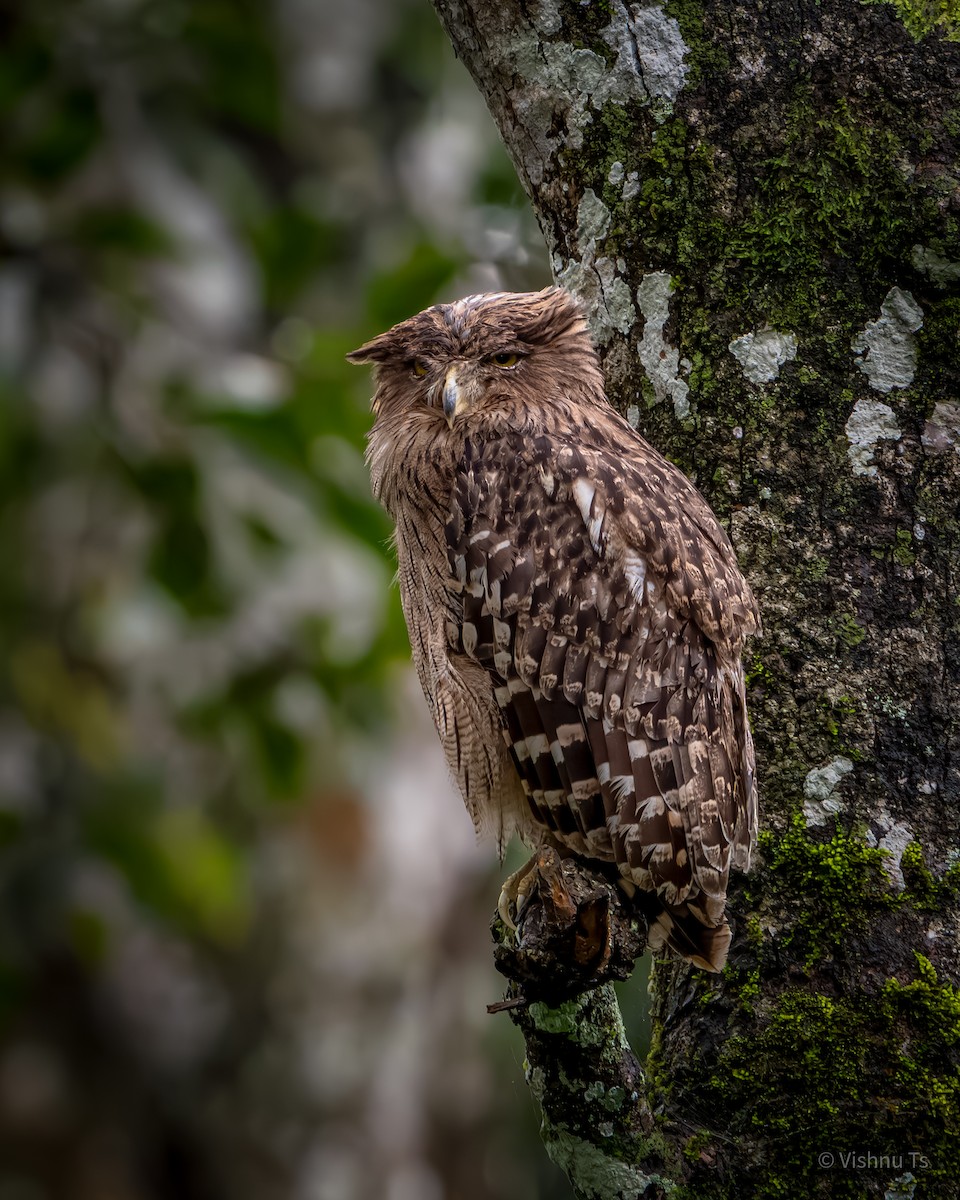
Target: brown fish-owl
<point x="575" y="610"/>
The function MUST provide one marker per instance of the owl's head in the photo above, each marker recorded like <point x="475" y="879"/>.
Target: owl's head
<point x="474" y="356"/>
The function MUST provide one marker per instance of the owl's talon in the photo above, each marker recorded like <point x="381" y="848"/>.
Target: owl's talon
<point x="514" y="892"/>
<point x="503" y="908"/>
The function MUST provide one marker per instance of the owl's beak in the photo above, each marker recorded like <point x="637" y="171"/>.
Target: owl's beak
<point x="451" y="395"/>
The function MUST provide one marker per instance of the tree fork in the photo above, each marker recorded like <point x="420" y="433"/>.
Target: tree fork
<point x="759" y="206"/>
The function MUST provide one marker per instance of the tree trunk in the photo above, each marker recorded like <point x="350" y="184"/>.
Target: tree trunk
<point x="759" y="205"/>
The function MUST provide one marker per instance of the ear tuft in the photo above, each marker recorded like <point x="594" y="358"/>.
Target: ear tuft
<point x="554" y="313"/>
<point x="377" y="350"/>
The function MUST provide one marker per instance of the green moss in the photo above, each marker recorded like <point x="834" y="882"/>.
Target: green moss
<point x="834" y="192"/>
<point x="809" y="1030"/>
<point x="922" y="890"/>
<point x="927" y="1014"/>
<point x="817" y="570"/>
<point x="563" y="1019"/>
<point x="702" y="379"/>
<point x="918" y="880"/>
<point x="937" y="342"/>
<point x="838" y="715"/>
<point x="874" y="1069"/>
<point x="696" y="1145"/>
<point x="826" y="214"/>
<point x="903" y="553"/>
<point x="828" y="887"/>
<point x="746" y="981"/>
<point x="708" y="57"/>
<point x="923" y="17"/>
<point x="823" y="1076"/>
<point x="849" y="630"/>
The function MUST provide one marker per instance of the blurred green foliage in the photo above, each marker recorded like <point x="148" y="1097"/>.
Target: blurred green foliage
<point x="196" y="628"/>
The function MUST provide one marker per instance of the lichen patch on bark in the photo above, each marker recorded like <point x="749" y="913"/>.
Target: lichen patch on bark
<point x="886" y="350"/>
<point x="894" y="837"/>
<point x="660" y="360"/>
<point x="650" y="52"/>
<point x="820" y="791"/>
<point x="596" y="278"/>
<point x="939" y="270"/>
<point x="762" y="354"/>
<point x="871" y="422"/>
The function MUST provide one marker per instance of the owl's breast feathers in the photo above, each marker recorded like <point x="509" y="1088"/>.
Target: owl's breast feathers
<point x="603" y="602"/>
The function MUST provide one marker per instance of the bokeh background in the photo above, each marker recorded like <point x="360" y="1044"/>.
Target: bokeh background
<point x="243" y="920"/>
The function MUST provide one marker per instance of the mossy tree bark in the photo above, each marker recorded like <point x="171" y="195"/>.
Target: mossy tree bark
<point x="759" y="204"/>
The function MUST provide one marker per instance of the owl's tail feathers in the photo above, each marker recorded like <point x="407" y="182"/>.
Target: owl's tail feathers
<point x="684" y="932"/>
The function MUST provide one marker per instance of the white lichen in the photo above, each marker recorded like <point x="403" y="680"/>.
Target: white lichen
<point x="548" y="17"/>
<point x="752" y="63"/>
<point x="594" y="278"/>
<point x="871" y="422"/>
<point x="939" y="270"/>
<point x="886" y="350"/>
<point x="762" y="354"/>
<point x="618" y="302"/>
<point x="820" y="791"/>
<point x="596" y="1175"/>
<point x="593" y="220"/>
<point x="562" y="80"/>
<point x="893" y="836"/>
<point x="902" y="1188"/>
<point x="650" y="52"/>
<point x="661" y="361"/>
<point x="567" y="85"/>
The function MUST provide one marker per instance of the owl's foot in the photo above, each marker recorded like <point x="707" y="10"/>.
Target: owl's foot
<point x="514" y="892"/>
<point x="575" y="930"/>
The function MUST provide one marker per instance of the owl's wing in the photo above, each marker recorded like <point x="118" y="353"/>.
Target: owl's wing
<point x="603" y="598"/>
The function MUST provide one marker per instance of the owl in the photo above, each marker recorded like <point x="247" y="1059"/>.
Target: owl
<point x="575" y="610"/>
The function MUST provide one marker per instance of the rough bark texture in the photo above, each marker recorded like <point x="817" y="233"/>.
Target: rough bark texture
<point x="760" y="206"/>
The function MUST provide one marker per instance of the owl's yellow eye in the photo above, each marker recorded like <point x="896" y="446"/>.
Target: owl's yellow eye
<point x="419" y="368"/>
<point x="505" y="360"/>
